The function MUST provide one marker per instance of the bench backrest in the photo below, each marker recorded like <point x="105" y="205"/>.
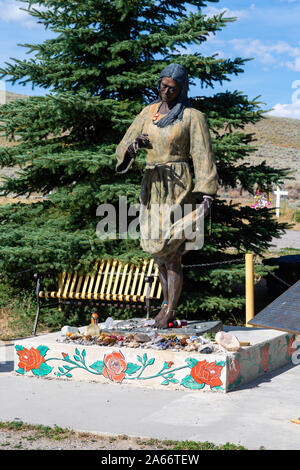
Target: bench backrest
<point x="112" y="280"/>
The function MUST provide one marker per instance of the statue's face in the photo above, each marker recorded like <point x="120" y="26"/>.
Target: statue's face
<point x="169" y="89"/>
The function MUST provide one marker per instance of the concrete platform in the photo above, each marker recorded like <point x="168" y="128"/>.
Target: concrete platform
<point x="43" y="356"/>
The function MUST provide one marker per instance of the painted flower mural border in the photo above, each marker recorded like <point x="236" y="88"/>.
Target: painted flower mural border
<point x="114" y="367"/>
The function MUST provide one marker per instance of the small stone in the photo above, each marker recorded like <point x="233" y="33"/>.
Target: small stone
<point x="157" y="339"/>
<point x="142" y="338"/>
<point x="68" y="329"/>
<point x="109" y="322"/>
<point x="228" y="341"/>
<point x="205" y="350"/>
<point x="149" y="322"/>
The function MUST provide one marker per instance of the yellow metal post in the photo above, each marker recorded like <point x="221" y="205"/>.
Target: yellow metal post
<point x="249" y="285"/>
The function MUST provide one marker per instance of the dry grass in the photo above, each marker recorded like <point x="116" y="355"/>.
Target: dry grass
<point x="14" y="200"/>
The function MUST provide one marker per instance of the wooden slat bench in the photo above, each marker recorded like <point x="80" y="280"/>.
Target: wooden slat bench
<point x="112" y="282"/>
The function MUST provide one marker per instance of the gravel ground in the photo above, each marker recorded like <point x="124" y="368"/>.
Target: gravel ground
<point x="29" y="440"/>
<point x="34" y="439"/>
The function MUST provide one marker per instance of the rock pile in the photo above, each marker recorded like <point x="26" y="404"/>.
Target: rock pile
<point x="151" y="340"/>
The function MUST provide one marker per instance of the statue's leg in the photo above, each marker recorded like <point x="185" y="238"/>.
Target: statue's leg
<point x="175" y="281"/>
<point x="163" y="277"/>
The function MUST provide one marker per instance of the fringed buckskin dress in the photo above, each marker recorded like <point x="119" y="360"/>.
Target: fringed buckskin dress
<point x="168" y="178"/>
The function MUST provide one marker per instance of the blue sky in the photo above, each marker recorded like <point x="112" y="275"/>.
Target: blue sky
<point x="265" y="30"/>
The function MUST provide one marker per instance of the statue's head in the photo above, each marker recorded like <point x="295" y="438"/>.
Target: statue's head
<point x="173" y="87"/>
<point x="173" y="82"/>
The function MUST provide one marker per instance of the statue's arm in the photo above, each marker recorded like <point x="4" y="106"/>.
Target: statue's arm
<point x="127" y="148"/>
<point x="206" y="176"/>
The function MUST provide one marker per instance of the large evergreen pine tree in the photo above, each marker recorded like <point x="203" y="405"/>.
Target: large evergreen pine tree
<point x="101" y="69"/>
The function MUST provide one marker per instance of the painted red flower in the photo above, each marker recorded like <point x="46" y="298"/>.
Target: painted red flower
<point x="264" y="358"/>
<point x="30" y="359"/>
<point x="208" y="373"/>
<point x="114" y="366"/>
<point x="291" y="348"/>
<point x="234" y="370"/>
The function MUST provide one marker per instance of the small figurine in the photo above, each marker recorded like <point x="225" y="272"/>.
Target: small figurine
<point x="93" y="329"/>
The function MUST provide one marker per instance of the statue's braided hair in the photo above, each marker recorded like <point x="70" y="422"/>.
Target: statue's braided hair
<point x="179" y="74"/>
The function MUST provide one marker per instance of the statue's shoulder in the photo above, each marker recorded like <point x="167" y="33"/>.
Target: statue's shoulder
<point x="196" y="114"/>
<point x="148" y="109"/>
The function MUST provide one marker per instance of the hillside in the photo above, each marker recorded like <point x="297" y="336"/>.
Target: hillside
<point x="14" y="96"/>
<point x="278" y="142"/>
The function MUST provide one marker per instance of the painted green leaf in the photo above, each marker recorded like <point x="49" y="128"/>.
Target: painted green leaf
<point x="20" y="370"/>
<point x="68" y="375"/>
<point x="218" y="387"/>
<point x="220" y="363"/>
<point x="165" y="382"/>
<point x="83" y="353"/>
<point x="43" y="350"/>
<point x="145" y="357"/>
<point x="61" y="369"/>
<point x="191" y="362"/>
<point x="98" y="366"/>
<point x="189" y="382"/>
<point x="77" y="358"/>
<point x="77" y="352"/>
<point x="132" y="368"/>
<point x="174" y="381"/>
<point x="43" y="370"/>
<point x="19" y="348"/>
<point x="151" y="361"/>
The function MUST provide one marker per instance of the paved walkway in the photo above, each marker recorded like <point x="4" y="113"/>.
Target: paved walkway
<point x="291" y="239"/>
<point x="256" y="415"/>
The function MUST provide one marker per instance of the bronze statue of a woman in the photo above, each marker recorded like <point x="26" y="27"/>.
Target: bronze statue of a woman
<point x="175" y="136"/>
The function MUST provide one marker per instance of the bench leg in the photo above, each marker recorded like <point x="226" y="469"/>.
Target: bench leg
<point x="148" y="307"/>
<point x="149" y="280"/>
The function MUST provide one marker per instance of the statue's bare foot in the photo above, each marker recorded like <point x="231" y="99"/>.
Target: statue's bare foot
<point x="164" y="321"/>
<point x="161" y="313"/>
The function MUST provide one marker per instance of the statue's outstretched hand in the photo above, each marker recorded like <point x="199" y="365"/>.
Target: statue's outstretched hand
<point x="207" y="204"/>
<point x="206" y="201"/>
<point x="143" y="142"/>
<point x="140" y="142"/>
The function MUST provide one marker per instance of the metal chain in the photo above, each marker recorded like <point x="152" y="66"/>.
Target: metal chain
<point x="270" y="272"/>
<point x="193" y="266"/>
<point x="18" y="272"/>
<point x="212" y="264"/>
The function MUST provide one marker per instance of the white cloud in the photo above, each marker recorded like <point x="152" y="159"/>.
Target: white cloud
<point x="211" y="11"/>
<point x="10" y="11"/>
<point x="268" y="53"/>
<point x="291" y="110"/>
<point x="295" y="65"/>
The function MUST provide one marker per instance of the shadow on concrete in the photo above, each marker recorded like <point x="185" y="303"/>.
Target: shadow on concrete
<point x="266" y="378"/>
